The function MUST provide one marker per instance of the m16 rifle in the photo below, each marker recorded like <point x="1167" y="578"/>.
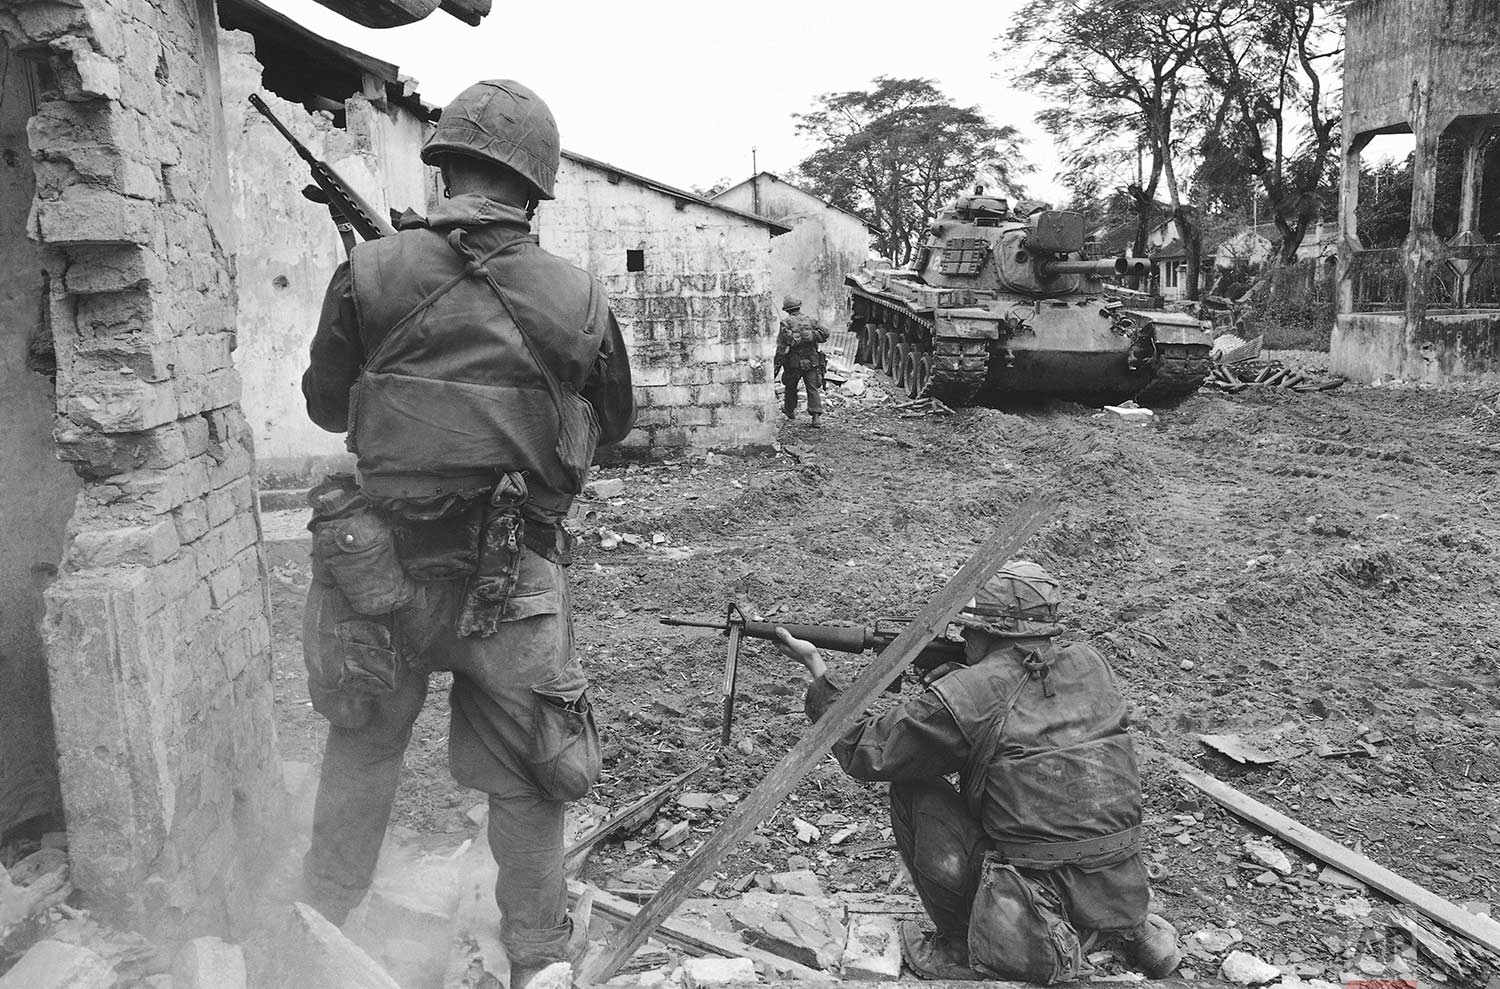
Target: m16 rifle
<point x="839" y="638"/>
<point x="351" y="214"/>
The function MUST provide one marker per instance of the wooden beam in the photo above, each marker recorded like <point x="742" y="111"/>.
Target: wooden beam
<point x="768" y="795"/>
<point x="694" y="938"/>
<point x="1481" y="930"/>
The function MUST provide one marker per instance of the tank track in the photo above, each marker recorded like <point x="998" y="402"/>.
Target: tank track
<point x="1180" y="371"/>
<point x="956" y="369"/>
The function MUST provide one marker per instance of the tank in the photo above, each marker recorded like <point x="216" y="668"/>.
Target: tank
<point x="998" y="307"/>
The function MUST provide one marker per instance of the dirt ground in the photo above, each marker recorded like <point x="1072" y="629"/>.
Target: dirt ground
<point x="1313" y="572"/>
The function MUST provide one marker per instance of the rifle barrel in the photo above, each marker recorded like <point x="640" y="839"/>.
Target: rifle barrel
<point x="291" y="138"/>
<point x="692" y="622"/>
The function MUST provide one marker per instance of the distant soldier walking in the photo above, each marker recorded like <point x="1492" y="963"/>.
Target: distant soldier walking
<point x="800" y="361"/>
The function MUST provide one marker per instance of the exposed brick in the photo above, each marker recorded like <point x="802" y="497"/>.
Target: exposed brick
<point x="111" y="268"/>
<point x="696" y="374"/>
<point x="120" y="404"/>
<point x="88" y="214"/>
<point x="692" y="415"/>
<point x="138" y="545"/>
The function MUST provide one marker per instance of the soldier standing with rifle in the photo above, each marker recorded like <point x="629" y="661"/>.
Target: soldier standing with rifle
<point x="1037" y="854"/>
<point x="483" y="373"/>
<point x="800" y="361"/>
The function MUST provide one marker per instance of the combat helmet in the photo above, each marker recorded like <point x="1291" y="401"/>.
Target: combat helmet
<point x="791" y="304"/>
<point x="1021" y="599"/>
<point x="501" y="121"/>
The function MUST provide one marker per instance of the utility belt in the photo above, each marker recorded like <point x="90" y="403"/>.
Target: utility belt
<point x="378" y="558"/>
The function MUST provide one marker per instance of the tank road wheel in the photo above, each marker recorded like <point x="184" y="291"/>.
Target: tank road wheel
<point x="903" y="354"/>
<point x="866" y="336"/>
<point x="918" y="373"/>
<point x="887" y="352"/>
<point x="910" y="377"/>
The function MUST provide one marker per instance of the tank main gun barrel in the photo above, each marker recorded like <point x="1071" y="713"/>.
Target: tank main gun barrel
<point x="1122" y="266"/>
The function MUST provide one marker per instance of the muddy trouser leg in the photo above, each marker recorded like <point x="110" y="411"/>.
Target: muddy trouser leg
<point x="510" y="739"/>
<point x="814" y="381"/>
<point x="943" y="847"/>
<point x="789" y="379"/>
<point x="356" y="788"/>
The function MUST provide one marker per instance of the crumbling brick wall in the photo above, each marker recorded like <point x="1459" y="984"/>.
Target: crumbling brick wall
<point x="157" y="631"/>
<point x="699" y="320"/>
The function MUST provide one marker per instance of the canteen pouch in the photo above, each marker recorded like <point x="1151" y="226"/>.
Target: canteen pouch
<point x="355" y="550"/>
<point x="1018" y="929"/>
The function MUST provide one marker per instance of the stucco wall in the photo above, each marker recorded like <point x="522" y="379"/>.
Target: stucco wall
<point x="825" y="245"/>
<point x="289" y="246"/>
<point x="698" y="321"/>
<point x="36" y="489"/>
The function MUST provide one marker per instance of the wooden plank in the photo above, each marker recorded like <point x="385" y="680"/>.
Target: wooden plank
<point x="818" y="741"/>
<point x="1481" y="930"/>
<point x="694" y="938"/>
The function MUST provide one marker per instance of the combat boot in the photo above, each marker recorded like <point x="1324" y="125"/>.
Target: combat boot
<point x="1151" y="947"/>
<point x="817" y="422"/>
<point x="789" y="413"/>
<point x="937" y="956"/>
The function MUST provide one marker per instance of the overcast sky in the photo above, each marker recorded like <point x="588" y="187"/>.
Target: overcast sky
<point x="681" y="91"/>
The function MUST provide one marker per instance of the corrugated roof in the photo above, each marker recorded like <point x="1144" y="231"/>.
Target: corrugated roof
<point x="681" y="195"/>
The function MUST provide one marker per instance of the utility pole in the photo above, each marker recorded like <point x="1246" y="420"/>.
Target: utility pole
<point x="754" y="183"/>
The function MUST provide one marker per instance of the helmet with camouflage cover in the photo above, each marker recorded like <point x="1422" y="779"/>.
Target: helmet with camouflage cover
<point x="500" y="121"/>
<point x="1021" y="599"/>
<point x="791" y="304"/>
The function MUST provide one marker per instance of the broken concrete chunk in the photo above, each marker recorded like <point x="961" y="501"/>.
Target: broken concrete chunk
<point x="873" y="951"/>
<point x="318" y="954"/>
<point x="1213" y="940"/>
<point x="209" y="963"/>
<point x="604" y="487"/>
<point x="675" y="835"/>
<point x="55" y="965"/>
<point x="1245" y="969"/>
<point x="695" y="801"/>
<point x="703" y="972"/>
<point x="806" y="833"/>
<point x="558" y="975"/>
<point x="1266" y="854"/>
<point x="802" y="928"/>
<point x="803" y="882"/>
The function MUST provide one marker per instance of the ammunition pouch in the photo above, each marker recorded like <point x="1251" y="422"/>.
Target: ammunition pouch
<point x="354" y="549"/>
<point x="1018" y="928"/>
<point x="352" y="659"/>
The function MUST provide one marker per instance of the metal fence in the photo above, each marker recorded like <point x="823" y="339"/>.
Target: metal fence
<point x="1380" y="280"/>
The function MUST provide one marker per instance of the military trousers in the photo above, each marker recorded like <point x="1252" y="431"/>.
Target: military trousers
<point x="520" y="730"/>
<point x="944" y="847"/>
<point x="811" y="379"/>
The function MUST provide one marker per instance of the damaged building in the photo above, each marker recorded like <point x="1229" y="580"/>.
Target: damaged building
<point x="1428" y="310"/>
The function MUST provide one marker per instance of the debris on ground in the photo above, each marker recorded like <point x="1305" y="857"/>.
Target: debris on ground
<point x="1237" y="377"/>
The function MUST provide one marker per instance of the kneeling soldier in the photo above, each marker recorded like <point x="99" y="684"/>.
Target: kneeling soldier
<point x="1036" y="856"/>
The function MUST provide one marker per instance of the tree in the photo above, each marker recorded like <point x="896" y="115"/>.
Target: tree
<point x="1117" y="76"/>
<point x="1275" y="122"/>
<point x="895" y="153"/>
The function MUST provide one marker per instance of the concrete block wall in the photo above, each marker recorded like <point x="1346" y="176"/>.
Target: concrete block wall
<point x="157" y="627"/>
<point x="699" y="321"/>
